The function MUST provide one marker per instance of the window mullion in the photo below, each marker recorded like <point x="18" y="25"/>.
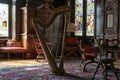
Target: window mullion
<point x="84" y="16"/>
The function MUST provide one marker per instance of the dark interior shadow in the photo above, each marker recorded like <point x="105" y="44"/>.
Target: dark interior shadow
<point x="72" y="76"/>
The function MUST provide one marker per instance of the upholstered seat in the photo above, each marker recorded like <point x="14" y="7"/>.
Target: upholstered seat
<point x="89" y="52"/>
<point x="13" y="49"/>
<point x="72" y="46"/>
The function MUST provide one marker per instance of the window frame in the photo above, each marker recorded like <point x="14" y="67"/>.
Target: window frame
<point x="9" y="2"/>
<point x="84" y="30"/>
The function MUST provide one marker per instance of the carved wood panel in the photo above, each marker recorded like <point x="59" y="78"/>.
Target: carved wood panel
<point x="111" y="17"/>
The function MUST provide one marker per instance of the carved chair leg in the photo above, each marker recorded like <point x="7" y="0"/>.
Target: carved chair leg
<point x="115" y="72"/>
<point x="8" y="55"/>
<point x="37" y="57"/>
<point x="84" y="68"/>
<point x="82" y="63"/>
<point x="23" y="55"/>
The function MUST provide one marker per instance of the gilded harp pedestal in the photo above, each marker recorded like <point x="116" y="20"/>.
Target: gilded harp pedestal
<point x="41" y="31"/>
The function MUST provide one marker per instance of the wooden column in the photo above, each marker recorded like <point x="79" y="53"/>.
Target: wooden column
<point x="24" y="27"/>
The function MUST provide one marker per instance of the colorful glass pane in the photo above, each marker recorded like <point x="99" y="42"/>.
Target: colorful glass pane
<point x="78" y="17"/>
<point x="90" y="18"/>
<point x="4" y="20"/>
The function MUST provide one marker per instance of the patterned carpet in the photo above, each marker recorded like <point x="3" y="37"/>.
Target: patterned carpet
<point x="32" y="70"/>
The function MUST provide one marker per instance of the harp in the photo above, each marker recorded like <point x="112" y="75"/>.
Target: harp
<point x="40" y="29"/>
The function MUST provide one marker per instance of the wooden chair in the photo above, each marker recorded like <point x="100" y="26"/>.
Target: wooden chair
<point x="36" y="46"/>
<point x="88" y="55"/>
<point x="38" y="49"/>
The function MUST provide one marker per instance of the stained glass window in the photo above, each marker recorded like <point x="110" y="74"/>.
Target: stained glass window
<point x="90" y="18"/>
<point x="89" y="8"/>
<point x="79" y="17"/>
<point x="4" y="29"/>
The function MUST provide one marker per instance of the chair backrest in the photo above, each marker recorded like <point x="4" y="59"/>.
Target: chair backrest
<point x="37" y="46"/>
<point x="14" y="44"/>
<point x="72" y="41"/>
<point x="89" y="48"/>
<point x="37" y="43"/>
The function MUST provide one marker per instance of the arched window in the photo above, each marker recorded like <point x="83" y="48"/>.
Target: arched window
<point x="84" y="17"/>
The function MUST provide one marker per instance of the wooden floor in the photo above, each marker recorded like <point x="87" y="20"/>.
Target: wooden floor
<point x="30" y="62"/>
<point x="19" y="63"/>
